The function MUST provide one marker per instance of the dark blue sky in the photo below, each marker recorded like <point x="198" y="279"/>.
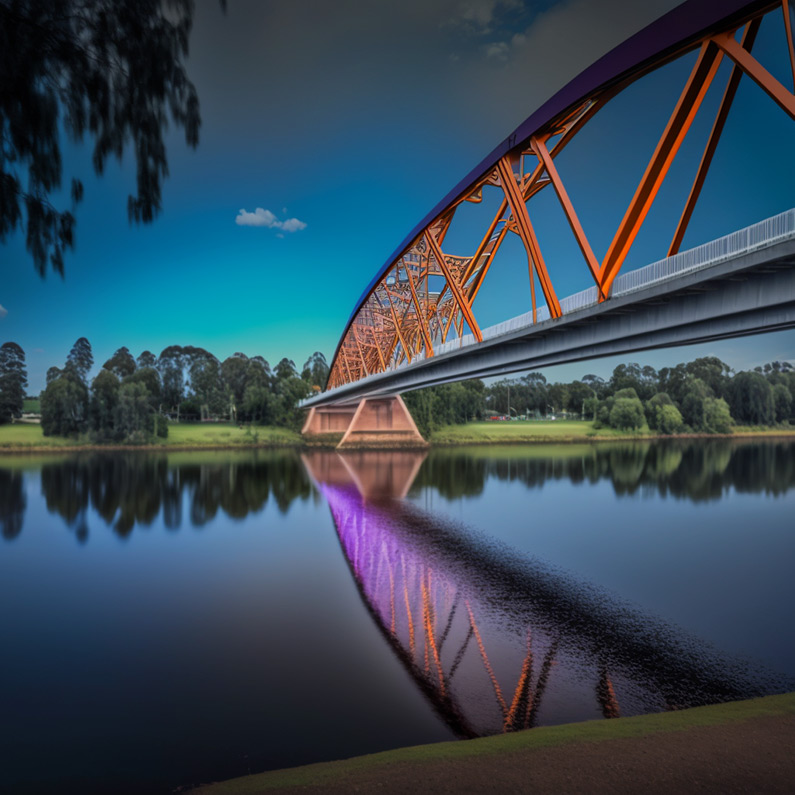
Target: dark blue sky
<point x="354" y="118"/>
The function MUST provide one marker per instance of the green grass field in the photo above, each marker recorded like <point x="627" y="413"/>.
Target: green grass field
<point x="331" y="773"/>
<point x="30" y="436"/>
<point x="224" y="434"/>
<point x="535" y="431"/>
<point x="23" y="436"/>
<point x="530" y="431"/>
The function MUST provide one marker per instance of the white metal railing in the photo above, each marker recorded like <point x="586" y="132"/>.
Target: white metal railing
<point x="761" y="235"/>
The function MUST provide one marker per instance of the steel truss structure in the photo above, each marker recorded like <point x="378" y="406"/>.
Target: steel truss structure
<point x="425" y="295"/>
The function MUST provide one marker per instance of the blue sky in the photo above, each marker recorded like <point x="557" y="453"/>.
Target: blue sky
<point x="354" y="118"/>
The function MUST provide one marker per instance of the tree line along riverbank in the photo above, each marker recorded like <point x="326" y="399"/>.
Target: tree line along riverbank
<point x="144" y="401"/>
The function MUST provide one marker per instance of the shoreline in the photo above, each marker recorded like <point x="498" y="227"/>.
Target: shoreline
<point x="737" y="746"/>
<point x="316" y="444"/>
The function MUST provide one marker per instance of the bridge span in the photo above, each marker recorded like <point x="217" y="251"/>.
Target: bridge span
<point x="741" y="284"/>
<point x="415" y="324"/>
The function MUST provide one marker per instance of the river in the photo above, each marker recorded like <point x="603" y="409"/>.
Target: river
<point x="169" y="620"/>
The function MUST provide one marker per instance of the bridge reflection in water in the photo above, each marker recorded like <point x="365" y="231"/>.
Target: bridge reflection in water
<point x="498" y="642"/>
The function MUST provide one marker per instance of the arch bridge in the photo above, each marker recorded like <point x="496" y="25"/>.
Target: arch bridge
<point x="415" y="324"/>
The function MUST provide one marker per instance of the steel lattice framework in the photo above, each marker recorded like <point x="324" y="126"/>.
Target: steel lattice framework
<point x="423" y="294"/>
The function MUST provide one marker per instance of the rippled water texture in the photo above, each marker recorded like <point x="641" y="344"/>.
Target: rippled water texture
<point x="170" y="620"/>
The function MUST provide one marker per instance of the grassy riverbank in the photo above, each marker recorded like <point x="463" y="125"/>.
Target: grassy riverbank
<point x="181" y="436"/>
<point x="559" y="431"/>
<point x="25" y="437"/>
<point x="715" y="735"/>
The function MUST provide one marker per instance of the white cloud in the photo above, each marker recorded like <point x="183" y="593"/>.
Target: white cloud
<point x="259" y="217"/>
<point x="293" y="225"/>
<point x="262" y="217"/>
<point x="3" y="311"/>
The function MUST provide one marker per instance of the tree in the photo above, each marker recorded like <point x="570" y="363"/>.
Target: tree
<point x="673" y="381"/>
<point x="597" y="384"/>
<point x="289" y="391"/>
<point x="170" y="367"/>
<point x="258" y="403"/>
<point x="751" y="399"/>
<point x="133" y="419"/>
<point x="579" y="393"/>
<point x="632" y="376"/>
<point x="121" y="364"/>
<point x="113" y="70"/>
<point x="205" y="378"/>
<point x="13" y="380"/>
<point x="147" y="359"/>
<point x="233" y="373"/>
<point x="782" y="400"/>
<point x="63" y="407"/>
<point x="535" y="393"/>
<point x="662" y="415"/>
<point x="80" y="359"/>
<point x="150" y="378"/>
<point x="286" y="369"/>
<point x="627" y="410"/>
<point x="717" y="418"/>
<point x="316" y="370"/>
<point x="558" y="396"/>
<point x="693" y="402"/>
<point x="712" y="371"/>
<point x="104" y="400"/>
<point x="669" y="419"/>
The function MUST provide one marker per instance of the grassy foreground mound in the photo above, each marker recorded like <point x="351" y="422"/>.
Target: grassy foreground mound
<point x="733" y="747"/>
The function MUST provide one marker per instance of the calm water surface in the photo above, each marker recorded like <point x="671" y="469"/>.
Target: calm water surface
<point x="171" y="620"/>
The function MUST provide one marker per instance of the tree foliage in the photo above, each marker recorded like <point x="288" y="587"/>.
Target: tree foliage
<point x="751" y="399"/>
<point x="109" y="69"/>
<point x="121" y="364"/>
<point x="13" y="380"/>
<point x="316" y="370"/>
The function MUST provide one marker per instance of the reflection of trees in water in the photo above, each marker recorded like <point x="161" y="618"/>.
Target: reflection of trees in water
<point x="130" y="490"/>
<point x="12" y="504"/>
<point x="695" y="470"/>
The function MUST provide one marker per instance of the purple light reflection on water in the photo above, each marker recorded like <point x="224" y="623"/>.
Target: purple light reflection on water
<point x="498" y="642"/>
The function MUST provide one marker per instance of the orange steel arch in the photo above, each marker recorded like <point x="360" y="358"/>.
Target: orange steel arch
<point x="400" y="317"/>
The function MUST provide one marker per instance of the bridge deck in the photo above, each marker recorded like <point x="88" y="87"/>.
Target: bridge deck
<point x="768" y="245"/>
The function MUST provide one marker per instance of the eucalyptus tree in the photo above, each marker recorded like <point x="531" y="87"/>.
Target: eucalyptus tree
<point x="316" y="370"/>
<point x="121" y="364"/>
<point x="147" y="359"/>
<point x="13" y="380"/>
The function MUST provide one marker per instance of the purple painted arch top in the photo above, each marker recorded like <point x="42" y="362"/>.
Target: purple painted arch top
<point x="665" y="38"/>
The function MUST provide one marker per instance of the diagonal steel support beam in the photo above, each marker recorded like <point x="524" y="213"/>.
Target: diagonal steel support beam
<point x="455" y="289"/>
<point x="406" y="349"/>
<point x="359" y="347"/>
<point x="418" y="308"/>
<point x="783" y="98"/>
<point x="667" y="147"/>
<point x="749" y="36"/>
<point x="540" y="148"/>
<point x="788" y="7"/>
<point x="527" y="233"/>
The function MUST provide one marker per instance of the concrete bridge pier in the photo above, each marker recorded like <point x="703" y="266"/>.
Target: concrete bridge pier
<point x="374" y="422"/>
